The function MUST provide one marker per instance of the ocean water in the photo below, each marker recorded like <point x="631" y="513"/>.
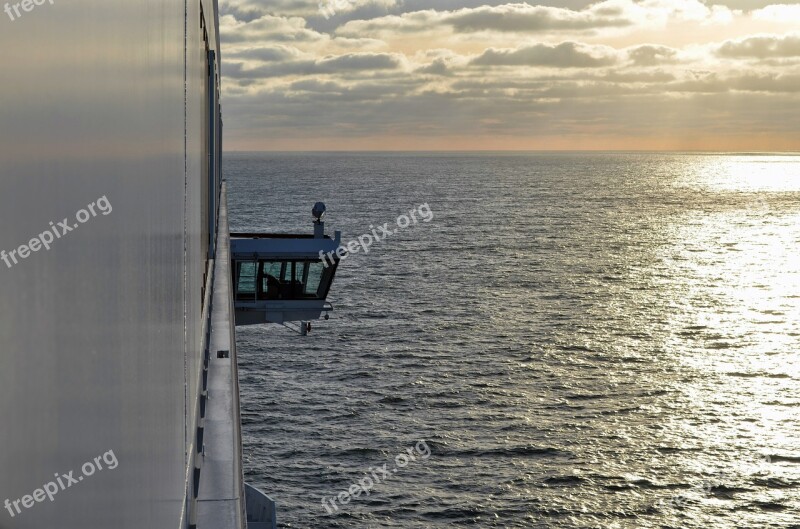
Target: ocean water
<point x="580" y="340"/>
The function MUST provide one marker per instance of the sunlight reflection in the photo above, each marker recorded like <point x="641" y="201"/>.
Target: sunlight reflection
<point x="754" y="173"/>
<point x="735" y="284"/>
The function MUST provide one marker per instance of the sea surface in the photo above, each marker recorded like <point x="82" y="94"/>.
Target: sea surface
<point x="580" y="340"/>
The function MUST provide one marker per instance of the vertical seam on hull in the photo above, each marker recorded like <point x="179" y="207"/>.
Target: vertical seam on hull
<point x="187" y="493"/>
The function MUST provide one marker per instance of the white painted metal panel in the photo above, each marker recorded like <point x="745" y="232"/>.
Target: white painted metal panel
<point x="100" y="334"/>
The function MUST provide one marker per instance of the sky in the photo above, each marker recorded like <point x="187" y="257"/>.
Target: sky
<point x="481" y="75"/>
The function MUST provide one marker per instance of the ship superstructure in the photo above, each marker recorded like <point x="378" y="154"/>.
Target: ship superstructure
<point x="118" y="385"/>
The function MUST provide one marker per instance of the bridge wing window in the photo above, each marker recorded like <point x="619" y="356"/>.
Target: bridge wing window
<point x="270" y="279"/>
<point x="246" y="280"/>
<point x="286" y="276"/>
<point x="282" y="280"/>
<point x="313" y="278"/>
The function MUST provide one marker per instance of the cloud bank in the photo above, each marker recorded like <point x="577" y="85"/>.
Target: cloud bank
<point x="449" y="74"/>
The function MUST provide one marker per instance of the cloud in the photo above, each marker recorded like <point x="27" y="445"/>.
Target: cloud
<point x="768" y="83"/>
<point x="437" y="67"/>
<point x="784" y="13"/>
<point x="330" y="8"/>
<point x="342" y="64"/>
<point x="267" y="28"/>
<point x="525" y="18"/>
<point x="267" y="54"/>
<point x="564" y="55"/>
<point x="762" y="47"/>
<point x="361" y="61"/>
<point x="652" y="55"/>
<point x="251" y="9"/>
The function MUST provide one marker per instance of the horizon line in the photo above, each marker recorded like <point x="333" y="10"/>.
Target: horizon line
<point x="511" y="151"/>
